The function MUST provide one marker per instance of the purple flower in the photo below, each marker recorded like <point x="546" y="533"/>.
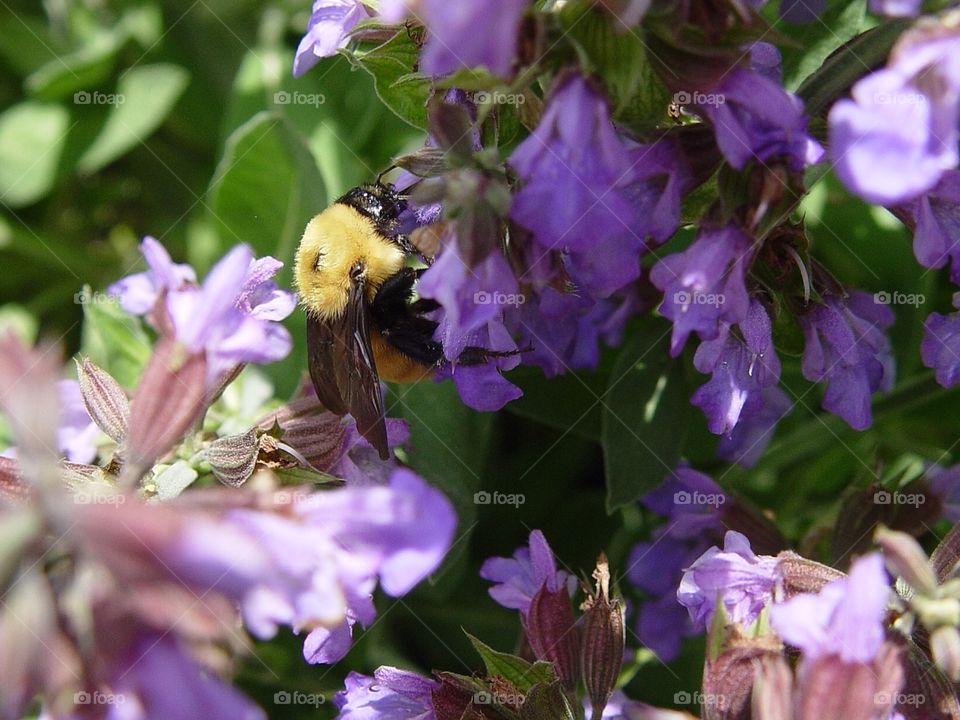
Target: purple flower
<point x="756" y="119"/>
<point x="233" y="317"/>
<point x="138" y="293"/>
<point x="575" y="170"/>
<point x="330" y="23"/>
<point x="391" y="694"/>
<point x="801" y="12"/>
<point x="936" y="215"/>
<point x="705" y="284"/>
<point x="940" y="347"/>
<point x="359" y="462"/>
<point x="690" y="500"/>
<point x="470" y="296"/>
<point x="898" y="134"/>
<point x="519" y="578"/>
<point x="741" y="369"/>
<point x="846" y="347"/>
<point x="747" y="441"/>
<point x="845" y="619"/>
<point x="895" y="8"/>
<point x="945" y="484"/>
<point x="765" y="61"/>
<point x="466" y="35"/>
<point x="735" y="576"/>
<point x="661" y="626"/>
<point x="482" y="387"/>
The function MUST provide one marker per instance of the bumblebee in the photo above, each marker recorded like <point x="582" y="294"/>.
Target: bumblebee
<point x="363" y="323"/>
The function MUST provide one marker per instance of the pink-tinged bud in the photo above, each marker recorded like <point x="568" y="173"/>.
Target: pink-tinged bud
<point x="603" y="639"/>
<point x="167" y="402"/>
<point x="945" y="648"/>
<point x="233" y="458"/>
<point x="550" y="627"/>
<point x="868" y="691"/>
<point x="728" y="680"/>
<point x="906" y="559"/>
<point x="801" y="575"/>
<point x="13" y="491"/>
<point x="309" y="430"/>
<point x="105" y="400"/>
<point x="773" y="690"/>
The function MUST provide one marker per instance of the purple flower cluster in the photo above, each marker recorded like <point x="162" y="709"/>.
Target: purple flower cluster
<point x="522" y="576"/>
<point x="232" y="318"/>
<point x="690" y="502"/>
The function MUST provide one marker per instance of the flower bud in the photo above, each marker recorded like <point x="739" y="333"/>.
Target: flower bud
<point x="772" y="697"/>
<point x="603" y="640"/>
<point x="945" y="648"/>
<point x="801" y="575"/>
<point x="105" y="400"/>
<point x="233" y="458"/>
<point x="168" y="401"/>
<point x="728" y="679"/>
<point x="906" y="559"/>
<point x="947" y="555"/>
<point x="551" y="629"/>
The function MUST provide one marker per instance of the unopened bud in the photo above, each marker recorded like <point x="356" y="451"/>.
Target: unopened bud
<point x="906" y="559"/>
<point x="233" y="458"/>
<point x="728" y="679"/>
<point x="945" y="648"/>
<point x="773" y="690"/>
<point x="801" y="575"/>
<point x="105" y="400"/>
<point x="946" y="557"/>
<point x="603" y="640"/>
<point x="167" y="402"/>
<point x="551" y="629"/>
<point x="13" y="491"/>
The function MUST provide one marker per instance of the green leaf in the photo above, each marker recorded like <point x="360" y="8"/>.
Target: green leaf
<point x="32" y="139"/>
<point x="265" y="189"/>
<point x="88" y="67"/>
<point x="113" y="340"/>
<point x="644" y="416"/>
<point x="521" y="674"/>
<point x="816" y="40"/>
<point x="620" y="60"/>
<point x="449" y="444"/>
<point x="145" y="95"/>
<point x="569" y="401"/>
<point x="546" y="701"/>
<point x="392" y="66"/>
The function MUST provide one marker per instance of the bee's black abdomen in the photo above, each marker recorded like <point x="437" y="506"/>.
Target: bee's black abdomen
<point x="379" y="202"/>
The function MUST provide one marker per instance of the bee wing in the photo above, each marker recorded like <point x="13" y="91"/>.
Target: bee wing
<point x="344" y="371"/>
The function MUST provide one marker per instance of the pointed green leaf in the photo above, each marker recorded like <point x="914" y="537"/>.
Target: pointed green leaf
<point x="522" y="674"/>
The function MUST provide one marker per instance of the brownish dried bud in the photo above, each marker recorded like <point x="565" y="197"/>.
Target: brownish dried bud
<point x="728" y="680"/>
<point x="801" y="575"/>
<point x="947" y="555"/>
<point x="550" y="627"/>
<point x="233" y="458"/>
<point x="105" y="400"/>
<point x="168" y="401"/>
<point x="13" y="491"/>
<point x="603" y="639"/>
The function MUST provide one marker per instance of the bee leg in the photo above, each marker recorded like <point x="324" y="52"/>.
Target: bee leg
<point x="480" y="356"/>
